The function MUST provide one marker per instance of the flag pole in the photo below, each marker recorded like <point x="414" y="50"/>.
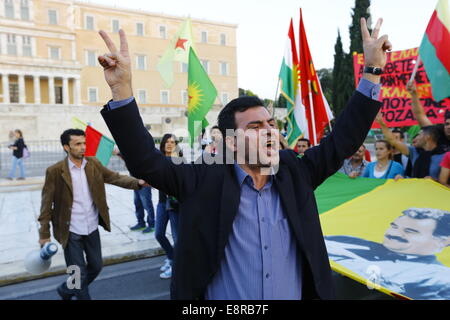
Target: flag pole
<point x="313" y="120"/>
<point x="276" y="95"/>
<point x="413" y="74"/>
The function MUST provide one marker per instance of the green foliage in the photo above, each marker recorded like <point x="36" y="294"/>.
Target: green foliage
<point x="343" y="82"/>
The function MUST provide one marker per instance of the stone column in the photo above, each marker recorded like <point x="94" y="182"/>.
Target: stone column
<point x="5" y="84"/>
<point x="22" y="93"/>
<point x="51" y="90"/>
<point x="77" y="92"/>
<point x="37" y="90"/>
<point x="65" y="91"/>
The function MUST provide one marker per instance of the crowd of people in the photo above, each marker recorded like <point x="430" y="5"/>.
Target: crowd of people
<point x="427" y="156"/>
<point x="238" y="233"/>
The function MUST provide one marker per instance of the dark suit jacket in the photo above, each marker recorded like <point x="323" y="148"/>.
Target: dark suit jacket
<point x="209" y="196"/>
<point x="57" y="196"/>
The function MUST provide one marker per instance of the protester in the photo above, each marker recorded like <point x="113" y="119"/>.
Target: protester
<point x="216" y="140"/>
<point x="245" y="233"/>
<point x="444" y="176"/>
<point x="74" y="201"/>
<point x="355" y="166"/>
<point x="422" y="119"/>
<point x="398" y="156"/>
<point x="384" y="167"/>
<point x="18" y="156"/>
<point x="167" y="210"/>
<point x="142" y="201"/>
<point x="425" y="156"/>
<point x="303" y="144"/>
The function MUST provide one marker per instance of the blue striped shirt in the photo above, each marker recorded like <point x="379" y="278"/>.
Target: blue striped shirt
<point x="261" y="260"/>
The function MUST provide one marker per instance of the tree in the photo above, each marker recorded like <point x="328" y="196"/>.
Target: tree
<point x="339" y="63"/>
<point x="343" y="78"/>
<point x="326" y="81"/>
<point x="244" y="92"/>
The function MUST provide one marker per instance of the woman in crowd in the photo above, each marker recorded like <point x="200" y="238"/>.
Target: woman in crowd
<point x="384" y="167"/>
<point x="167" y="210"/>
<point x="17" y="147"/>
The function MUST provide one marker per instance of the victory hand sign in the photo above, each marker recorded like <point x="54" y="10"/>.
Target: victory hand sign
<point x="374" y="48"/>
<point x="117" y="66"/>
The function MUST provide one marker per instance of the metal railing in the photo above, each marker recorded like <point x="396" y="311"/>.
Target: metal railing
<point x="43" y="154"/>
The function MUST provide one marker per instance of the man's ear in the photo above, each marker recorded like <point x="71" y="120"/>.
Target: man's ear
<point x="66" y="148"/>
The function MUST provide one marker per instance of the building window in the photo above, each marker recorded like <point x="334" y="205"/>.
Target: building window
<point x="11" y="48"/>
<point x="89" y="23"/>
<point x="52" y="17"/>
<point x="184" y="97"/>
<point x="26" y="48"/>
<point x="184" y="67"/>
<point x="224" y="68"/>
<point x="141" y="62"/>
<point x="54" y="53"/>
<point x="204" y="37"/>
<point x="205" y="64"/>
<point x="142" y="96"/>
<point x="24" y="10"/>
<point x="224" y="99"/>
<point x="162" y="32"/>
<point x="140" y="29"/>
<point x="91" y="58"/>
<point x="115" y="25"/>
<point x="9" y="9"/>
<point x="93" y="94"/>
<point x="223" y="39"/>
<point x="164" y="96"/>
<point x="14" y="92"/>
<point x="58" y="94"/>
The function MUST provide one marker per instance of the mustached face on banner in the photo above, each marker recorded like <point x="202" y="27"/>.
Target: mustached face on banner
<point x="412" y="236"/>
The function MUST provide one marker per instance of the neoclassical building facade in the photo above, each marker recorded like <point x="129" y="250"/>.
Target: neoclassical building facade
<point x="49" y="70"/>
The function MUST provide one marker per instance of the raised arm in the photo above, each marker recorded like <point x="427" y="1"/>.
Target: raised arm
<point x="143" y="159"/>
<point x="400" y="146"/>
<point x="416" y="106"/>
<point x="356" y="119"/>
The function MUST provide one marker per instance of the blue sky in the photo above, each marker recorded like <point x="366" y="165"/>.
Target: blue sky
<point x="263" y="26"/>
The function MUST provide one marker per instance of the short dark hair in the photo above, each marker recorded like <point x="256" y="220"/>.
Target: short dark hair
<point x="162" y="145"/>
<point x="432" y="131"/>
<point x="214" y="127"/>
<point x="306" y="140"/>
<point x="396" y="130"/>
<point x="441" y="217"/>
<point x="227" y="120"/>
<point x="65" y="136"/>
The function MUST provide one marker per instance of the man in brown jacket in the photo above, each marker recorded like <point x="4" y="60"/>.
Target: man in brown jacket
<point x="74" y="201"/>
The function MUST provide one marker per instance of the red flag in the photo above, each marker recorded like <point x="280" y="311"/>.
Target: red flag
<point x="312" y="96"/>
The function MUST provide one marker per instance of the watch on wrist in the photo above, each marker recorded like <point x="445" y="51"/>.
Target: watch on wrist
<point x="373" y="70"/>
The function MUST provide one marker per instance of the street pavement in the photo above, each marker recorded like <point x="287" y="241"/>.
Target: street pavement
<point x="19" y="209"/>
<point x="135" y="280"/>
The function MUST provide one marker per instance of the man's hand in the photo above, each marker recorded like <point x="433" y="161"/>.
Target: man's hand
<point x="143" y="184"/>
<point x="411" y="87"/>
<point x="353" y="174"/>
<point x="398" y="177"/>
<point x="379" y="118"/>
<point x="42" y="242"/>
<point x="374" y="48"/>
<point x="117" y="67"/>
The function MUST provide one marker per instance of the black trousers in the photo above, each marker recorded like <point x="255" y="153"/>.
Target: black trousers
<point x="77" y="247"/>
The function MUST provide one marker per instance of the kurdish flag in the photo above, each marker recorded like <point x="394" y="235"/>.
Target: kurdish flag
<point x="178" y="50"/>
<point x="392" y="236"/>
<point x="290" y="90"/>
<point x="202" y="93"/>
<point x="97" y="145"/>
<point x="435" y="51"/>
